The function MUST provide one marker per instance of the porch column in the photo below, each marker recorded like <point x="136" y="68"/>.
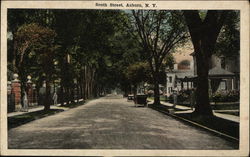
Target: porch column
<point x="233" y="86"/>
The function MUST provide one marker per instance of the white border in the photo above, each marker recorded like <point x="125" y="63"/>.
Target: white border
<point x="243" y="6"/>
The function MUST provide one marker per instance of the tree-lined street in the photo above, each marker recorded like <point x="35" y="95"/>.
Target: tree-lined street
<point x="91" y="61"/>
<point x="113" y="123"/>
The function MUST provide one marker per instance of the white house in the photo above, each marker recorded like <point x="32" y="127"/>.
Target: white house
<point x="223" y="73"/>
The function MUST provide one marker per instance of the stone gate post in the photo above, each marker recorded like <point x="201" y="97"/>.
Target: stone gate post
<point x="16" y="90"/>
<point x="34" y="94"/>
<point x="29" y="91"/>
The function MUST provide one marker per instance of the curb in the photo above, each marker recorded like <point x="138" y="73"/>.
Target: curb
<point x="197" y="125"/>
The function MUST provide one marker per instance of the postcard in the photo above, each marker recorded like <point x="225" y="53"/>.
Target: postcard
<point x="125" y="78"/>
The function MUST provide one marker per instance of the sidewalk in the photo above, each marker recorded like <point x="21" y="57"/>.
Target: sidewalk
<point x="39" y="108"/>
<point x="34" y="109"/>
<point x="188" y="110"/>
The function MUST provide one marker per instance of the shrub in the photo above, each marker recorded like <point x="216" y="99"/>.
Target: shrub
<point x="225" y="96"/>
<point x="182" y="96"/>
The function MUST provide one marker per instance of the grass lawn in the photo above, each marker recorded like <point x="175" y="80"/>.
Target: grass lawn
<point x="225" y="106"/>
<point x="222" y="125"/>
<point x="234" y="113"/>
<point x="220" y="106"/>
<point x="30" y="116"/>
<point x="219" y="124"/>
<point x="162" y="98"/>
<point x="74" y="104"/>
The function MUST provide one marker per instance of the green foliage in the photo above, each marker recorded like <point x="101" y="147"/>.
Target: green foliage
<point x="183" y="95"/>
<point x="138" y="72"/>
<point x="34" y="36"/>
<point x="202" y="14"/>
<point x="35" y="46"/>
<point x="159" y="32"/>
<point x="169" y="61"/>
<point x="225" y="96"/>
<point x="228" y="42"/>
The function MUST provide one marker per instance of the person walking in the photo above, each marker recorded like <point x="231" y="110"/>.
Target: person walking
<point x="55" y="98"/>
<point x="25" y="102"/>
<point x="175" y="95"/>
<point x="192" y="98"/>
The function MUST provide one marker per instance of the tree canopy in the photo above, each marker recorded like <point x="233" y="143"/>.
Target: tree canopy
<point x="91" y="52"/>
<point x="159" y="32"/>
<point x="228" y="42"/>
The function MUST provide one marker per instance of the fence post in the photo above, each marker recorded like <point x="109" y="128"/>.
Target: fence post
<point x="34" y="94"/>
<point x="29" y="91"/>
<point x="11" y="105"/>
<point x="9" y="87"/>
<point x="16" y="90"/>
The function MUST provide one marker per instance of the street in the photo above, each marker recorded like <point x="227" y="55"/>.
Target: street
<point x="112" y="122"/>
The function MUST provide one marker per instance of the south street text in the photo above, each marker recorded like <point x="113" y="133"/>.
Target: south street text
<point x="126" y="5"/>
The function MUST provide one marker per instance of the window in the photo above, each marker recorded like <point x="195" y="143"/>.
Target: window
<point x="223" y="85"/>
<point x="184" y="65"/>
<point x="170" y="79"/>
<point x="223" y="62"/>
<point x="170" y="90"/>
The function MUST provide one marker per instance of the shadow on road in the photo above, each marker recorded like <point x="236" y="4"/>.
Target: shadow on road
<point x="18" y="120"/>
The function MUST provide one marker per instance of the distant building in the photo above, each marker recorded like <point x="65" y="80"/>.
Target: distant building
<point x="223" y="73"/>
<point x="179" y="77"/>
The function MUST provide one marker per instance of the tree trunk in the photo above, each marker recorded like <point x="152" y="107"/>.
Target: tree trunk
<point x="47" y="97"/>
<point x="134" y="91"/>
<point x="84" y="83"/>
<point x="156" y="88"/>
<point x="81" y="90"/>
<point x="62" y="94"/>
<point x="67" y="95"/>
<point x="72" y="94"/>
<point x="78" y="90"/>
<point x="204" y="34"/>
<point x="14" y="53"/>
<point x="21" y="73"/>
<point x="202" y="97"/>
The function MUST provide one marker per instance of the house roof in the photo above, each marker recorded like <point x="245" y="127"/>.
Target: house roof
<point x="183" y="73"/>
<point x="218" y="71"/>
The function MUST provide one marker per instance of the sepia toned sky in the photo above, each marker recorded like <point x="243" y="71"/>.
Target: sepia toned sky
<point x="184" y="52"/>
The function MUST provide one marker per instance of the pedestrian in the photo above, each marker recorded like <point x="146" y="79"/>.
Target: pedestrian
<point x="55" y="98"/>
<point x="175" y="95"/>
<point x="25" y="102"/>
<point x="192" y="98"/>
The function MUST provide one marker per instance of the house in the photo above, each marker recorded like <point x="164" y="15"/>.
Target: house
<point x="223" y="73"/>
<point x="180" y="77"/>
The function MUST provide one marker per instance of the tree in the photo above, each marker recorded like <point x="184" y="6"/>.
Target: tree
<point x="35" y="41"/>
<point x="159" y="32"/>
<point x="19" y="17"/>
<point x="137" y="73"/>
<point x="228" y="42"/>
<point x="90" y="38"/>
<point x="204" y="33"/>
